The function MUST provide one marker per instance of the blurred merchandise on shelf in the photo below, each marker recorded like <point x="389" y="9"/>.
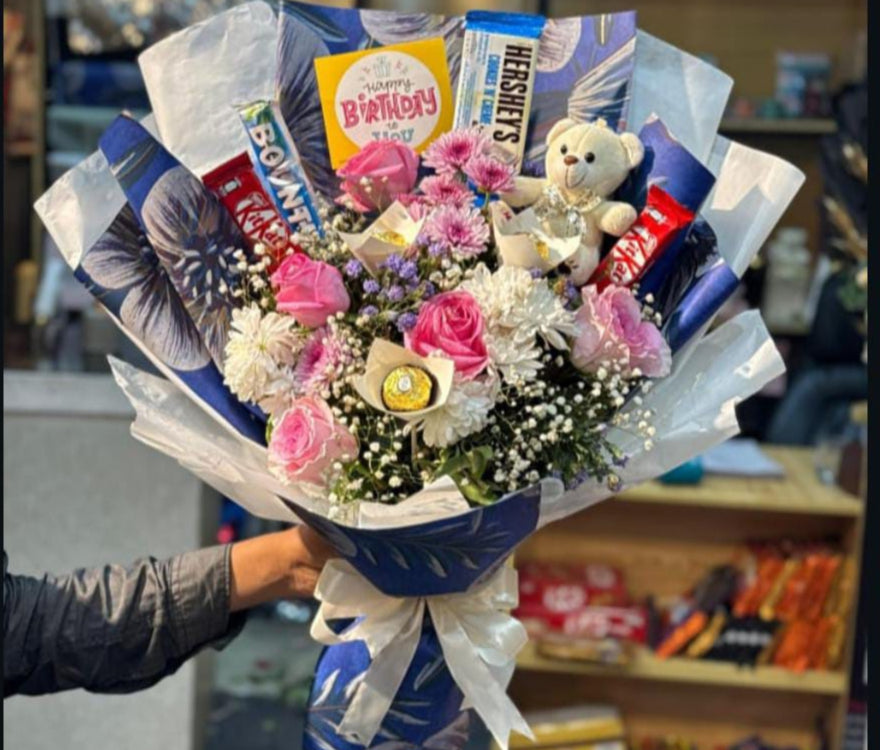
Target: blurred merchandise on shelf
<point x="802" y="84"/>
<point x="786" y="605"/>
<point x="20" y="85"/>
<point x="579" y="612"/>
<point x="589" y="727"/>
<point x="783" y="604"/>
<point x="103" y="26"/>
<point x="787" y="282"/>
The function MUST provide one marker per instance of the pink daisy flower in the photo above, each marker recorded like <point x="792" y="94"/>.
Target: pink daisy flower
<point x="444" y="189"/>
<point x="451" y="151"/>
<point x="321" y="361"/>
<point x="489" y="174"/>
<point x="457" y="229"/>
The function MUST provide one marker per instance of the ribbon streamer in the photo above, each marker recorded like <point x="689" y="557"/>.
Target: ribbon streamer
<point x="479" y="639"/>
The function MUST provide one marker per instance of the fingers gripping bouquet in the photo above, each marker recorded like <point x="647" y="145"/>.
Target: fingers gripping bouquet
<point x="425" y="327"/>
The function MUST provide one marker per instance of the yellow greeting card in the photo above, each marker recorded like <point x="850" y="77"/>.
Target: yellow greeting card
<point x="401" y="92"/>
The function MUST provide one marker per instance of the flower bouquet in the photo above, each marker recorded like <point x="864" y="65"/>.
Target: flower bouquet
<point x="425" y="332"/>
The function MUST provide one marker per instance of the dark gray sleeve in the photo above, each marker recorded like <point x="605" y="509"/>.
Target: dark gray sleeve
<point x="114" y="629"/>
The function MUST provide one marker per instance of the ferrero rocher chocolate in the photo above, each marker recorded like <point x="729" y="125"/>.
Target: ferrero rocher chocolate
<point x="407" y="388"/>
<point x="391" y="237"/>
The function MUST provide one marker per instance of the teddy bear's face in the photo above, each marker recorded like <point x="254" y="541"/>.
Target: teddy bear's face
<point x="590" y="157"/>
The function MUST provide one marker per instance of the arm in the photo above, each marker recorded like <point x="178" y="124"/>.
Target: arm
<point x="118" y="630"/>
<point x="525" y="192"/>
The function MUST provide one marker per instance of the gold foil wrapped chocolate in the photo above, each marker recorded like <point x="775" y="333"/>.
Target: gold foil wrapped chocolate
<point x="400" y="382"/>
<point x="407" y="388"/>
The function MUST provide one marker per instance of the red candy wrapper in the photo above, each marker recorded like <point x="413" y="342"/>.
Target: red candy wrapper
<point x="238" y="187"/>
<point x="654" y="230"/>
<point x="590" y="601"/>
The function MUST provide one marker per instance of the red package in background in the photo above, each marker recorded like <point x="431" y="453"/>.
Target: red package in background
<point x="238" y="187"/>
<point x="586" y="601"/>
<point x="647" y="239"/>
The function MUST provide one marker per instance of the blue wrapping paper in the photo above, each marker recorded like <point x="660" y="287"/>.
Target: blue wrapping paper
<point x="670" y="166"/>
<point x="194" y="237"/>
<point x="426" y="712"/>
<point x="433" y="558"/>
<point x="123" y="272"/>
<point x="584" y="70"/>
<point x="712" y="287"/>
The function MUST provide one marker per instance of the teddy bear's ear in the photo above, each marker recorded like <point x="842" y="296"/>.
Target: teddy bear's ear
<point x="635" y="151"/>
<point x="559" y="127"/>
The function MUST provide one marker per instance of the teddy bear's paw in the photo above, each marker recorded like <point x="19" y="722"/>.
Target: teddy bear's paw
<point x="617" y="219"/>
<point x="526" y="191"/>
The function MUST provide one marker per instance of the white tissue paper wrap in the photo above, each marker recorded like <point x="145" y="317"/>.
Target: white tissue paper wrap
<point x="196" y="77"/>
<point x="694" y="111"/>
<point x="81" y="204"/>
<point x="725" y="367"/>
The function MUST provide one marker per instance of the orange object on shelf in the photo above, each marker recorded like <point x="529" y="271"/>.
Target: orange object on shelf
<point x="749" y="600"/>
<point x="683" y="634"/>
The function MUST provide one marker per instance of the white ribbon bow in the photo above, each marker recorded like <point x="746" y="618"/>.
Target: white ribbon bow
<point x="479" y="639"/>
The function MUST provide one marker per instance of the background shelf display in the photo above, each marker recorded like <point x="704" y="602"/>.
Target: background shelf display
<point x="645" y="666"/>
<point x="663" y="538"/>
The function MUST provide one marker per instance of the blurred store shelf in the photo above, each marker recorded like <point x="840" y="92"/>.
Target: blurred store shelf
<point x="800" y="493"/>
<point x="783" y="126"/>
<point x="646" y="666"/>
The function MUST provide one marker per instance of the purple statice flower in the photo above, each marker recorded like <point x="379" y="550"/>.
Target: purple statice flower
<point x="536" y="273"/>
<point x="409" y="270"/>
<point x="436" y="249"/>
<point x="407" y="321"/>
<point x="393" y="263"/>
<point x="489" y="174"/>
<point x="353" y="268"/>
<point x="429" y="290"/>
<point x="369" y="311"/>
<point x="371" y="286"/>
<point x="577" y="480"/>
<point x="395" y="293"/>
<point x="451" y="151"/>
<point x="459" y="230"/>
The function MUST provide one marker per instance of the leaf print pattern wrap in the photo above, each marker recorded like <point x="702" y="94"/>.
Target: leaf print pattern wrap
<point x="194" y="239"/>
<point x="122" y="260"/>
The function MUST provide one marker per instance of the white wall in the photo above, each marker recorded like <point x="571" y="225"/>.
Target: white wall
<point x="80" y="491"/>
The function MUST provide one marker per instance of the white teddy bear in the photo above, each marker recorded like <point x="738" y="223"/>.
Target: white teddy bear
<point x="585" y="163"/>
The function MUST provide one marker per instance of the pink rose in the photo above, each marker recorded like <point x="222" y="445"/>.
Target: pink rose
<point x="307" y="441"/>
<point x="611" y="330"/>
<point x="308" y="290"/>
<point x="452" y="323"/>
<point x="377" y="174"/>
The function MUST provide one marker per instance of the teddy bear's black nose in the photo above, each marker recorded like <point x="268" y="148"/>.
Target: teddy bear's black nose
<point x="569" y="160"/>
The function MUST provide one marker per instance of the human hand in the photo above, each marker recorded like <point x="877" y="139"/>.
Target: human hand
<point x="283" y="565"/>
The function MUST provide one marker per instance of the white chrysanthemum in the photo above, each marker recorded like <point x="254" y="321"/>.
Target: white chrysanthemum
<point x="465" y="412"/>
<point x="519" y="307"/>
<point x="517" y="362"/>
<point x="259" y="346"/>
